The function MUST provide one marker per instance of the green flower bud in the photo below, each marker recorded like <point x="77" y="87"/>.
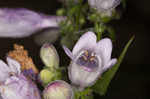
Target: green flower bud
<point x="46" y="76"/>
<point x="58" y="90"/>
<point x="49" y="55"/>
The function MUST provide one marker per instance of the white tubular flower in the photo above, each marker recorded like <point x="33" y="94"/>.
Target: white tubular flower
<point x="104" y="5"/>
<point x="89" y="59"/>
<point x="22" y="22"/>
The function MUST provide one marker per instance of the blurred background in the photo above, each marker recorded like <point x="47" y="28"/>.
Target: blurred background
<point x="133" y="78"/>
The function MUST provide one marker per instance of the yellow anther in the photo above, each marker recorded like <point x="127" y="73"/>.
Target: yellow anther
<point x="92" y="58"/>
<point x="84" y="57"/>
<point x="86" y="53"/>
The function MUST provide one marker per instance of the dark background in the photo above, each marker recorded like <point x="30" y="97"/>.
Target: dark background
<point x="133" y="78"/>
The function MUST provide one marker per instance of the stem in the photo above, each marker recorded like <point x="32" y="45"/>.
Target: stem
<point x="78" y="16"/>
<point x="99" y="33"/>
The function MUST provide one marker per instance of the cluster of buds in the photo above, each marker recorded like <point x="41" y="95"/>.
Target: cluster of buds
<point x="50" y="59"/>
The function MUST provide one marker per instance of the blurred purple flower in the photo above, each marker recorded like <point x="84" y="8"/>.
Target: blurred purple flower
<point x="89" y="59"/>
<point x="22" y="22"/>
<point x="13" y="84"/>
<point x="103" y="5"/>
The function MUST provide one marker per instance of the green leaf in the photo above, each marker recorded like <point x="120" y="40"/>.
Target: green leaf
<point x="85" y="94"/>
<point x="102" y="84"/>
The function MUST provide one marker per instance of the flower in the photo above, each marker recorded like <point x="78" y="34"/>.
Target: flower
<point x="104" y="5"/>
<point x="89" y="60"/>
<point x="19" y="87"/>
<point x="22" y="22"/>
<point x="21" y="55"/>
<point x="13" y="84"/>
<point x="49" y="55"/>
<point x="58" y="90"/>
<point x="6" y="71"/>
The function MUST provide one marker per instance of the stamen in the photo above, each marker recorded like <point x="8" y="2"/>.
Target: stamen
<point x="92" y="58"/>
<point x="85" y="58"/>
<point x="86" y="52"/>
<point x="88" y="60"/>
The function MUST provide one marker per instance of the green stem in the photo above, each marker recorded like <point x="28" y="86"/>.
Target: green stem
<point x="78" y="17"/>
<point x="98" y="31"/>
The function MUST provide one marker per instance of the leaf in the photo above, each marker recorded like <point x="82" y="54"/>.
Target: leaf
<point x="102" y="84"/>
<point x="85" y="94"/>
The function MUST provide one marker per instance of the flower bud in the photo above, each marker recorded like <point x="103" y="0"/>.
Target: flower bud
<point x="49" y="56"/>
<point x="58" y="90"/>
<point x="46" y="76"/>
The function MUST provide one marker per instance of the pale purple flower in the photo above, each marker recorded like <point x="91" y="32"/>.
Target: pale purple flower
<point x="22" y="22"/>
<point x="13" y="84"/>
<point x="89" y="59"/>
<point x="19" y="87"/>
<point x="104" y="6"/>
<point x="6" y="70"/>
<point x="58" y="90"/>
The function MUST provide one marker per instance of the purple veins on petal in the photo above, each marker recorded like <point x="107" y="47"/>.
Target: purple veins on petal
<point x="19" y="87"/>
<point x="30" y="74"/>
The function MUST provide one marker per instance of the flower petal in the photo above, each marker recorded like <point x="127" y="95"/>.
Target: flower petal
<point x="110" y="64"/>
<point x="20" y="22"/>
<point x="19" y="87"/>
<point x="104" y="48"/>
<point x="52" y="21"/>
<point x="88" y="40"/>
<point x="68" y="52"/>
<point x="13" y="65"/>
<point x="4" y="71"/>
<point x="80" y="77"/>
